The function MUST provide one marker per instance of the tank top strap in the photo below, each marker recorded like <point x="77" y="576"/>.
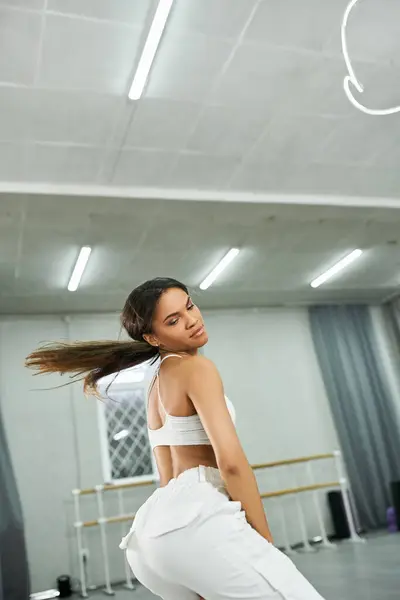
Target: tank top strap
<point x="157" y="380"/>
<point x="168" y="356"/>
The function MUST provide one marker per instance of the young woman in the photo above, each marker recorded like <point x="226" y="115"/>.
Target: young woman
<point x="203" y="532"/>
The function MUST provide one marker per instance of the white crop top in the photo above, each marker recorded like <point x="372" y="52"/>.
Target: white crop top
<point x="180" y="431"/>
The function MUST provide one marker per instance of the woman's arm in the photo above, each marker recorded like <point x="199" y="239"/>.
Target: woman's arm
<point x="205" y="390"/>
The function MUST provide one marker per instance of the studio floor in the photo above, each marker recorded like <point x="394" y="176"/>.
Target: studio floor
<point x="369" y="571"/>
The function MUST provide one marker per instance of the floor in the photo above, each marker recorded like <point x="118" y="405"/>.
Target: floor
<point x="369" y="571"/>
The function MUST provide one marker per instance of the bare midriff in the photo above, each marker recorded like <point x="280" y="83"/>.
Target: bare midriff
<point x="174" y="460"/>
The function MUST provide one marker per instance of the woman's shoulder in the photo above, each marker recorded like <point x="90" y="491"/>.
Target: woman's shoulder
<point x="199" y="366"/>
<point x="202" y="374"/>
<point x="198" y="362"/>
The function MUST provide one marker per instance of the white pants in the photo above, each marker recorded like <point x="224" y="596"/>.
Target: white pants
<point x="190" y="540"/>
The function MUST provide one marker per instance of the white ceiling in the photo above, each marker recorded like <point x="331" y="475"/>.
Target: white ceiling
<point x="245" y="103"/>
<point x="245" y="95"/>
<point x="283" y="249"/>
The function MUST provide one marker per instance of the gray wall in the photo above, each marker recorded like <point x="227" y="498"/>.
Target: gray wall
<point x="270" y="372"/>
<point x="267" y="361"/>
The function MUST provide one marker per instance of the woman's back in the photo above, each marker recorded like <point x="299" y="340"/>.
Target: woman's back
<point x="175" y="430"/>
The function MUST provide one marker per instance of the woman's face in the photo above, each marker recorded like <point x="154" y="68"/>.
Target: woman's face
<point x="177" y="324"/>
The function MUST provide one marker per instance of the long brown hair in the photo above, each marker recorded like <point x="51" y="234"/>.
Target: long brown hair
<point x="91" y="361"/>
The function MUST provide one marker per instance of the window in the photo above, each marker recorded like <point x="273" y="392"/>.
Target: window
<point x="126" y="451"/>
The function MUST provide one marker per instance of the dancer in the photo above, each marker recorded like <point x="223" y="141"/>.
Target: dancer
<point x="203" y="532"/>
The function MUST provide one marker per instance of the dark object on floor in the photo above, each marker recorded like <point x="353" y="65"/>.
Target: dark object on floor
<point x="395" y="487"/>
<point x="338" y="514"/>
<point x="391" y="519"/>
<point x="64" y="586"/>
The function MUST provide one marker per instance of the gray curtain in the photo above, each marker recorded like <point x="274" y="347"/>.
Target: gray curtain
<point x="361" y="404"/>
<point x="391" y="312"/>
<point x="14" y="573"/>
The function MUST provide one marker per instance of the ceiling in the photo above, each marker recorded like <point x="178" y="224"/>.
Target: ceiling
<point x="244" y="108"/>
<point x="283" y="249"/>
<point x="244" y="95"/>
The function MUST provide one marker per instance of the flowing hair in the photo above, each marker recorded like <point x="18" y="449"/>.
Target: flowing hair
<point x="91" y="361"/>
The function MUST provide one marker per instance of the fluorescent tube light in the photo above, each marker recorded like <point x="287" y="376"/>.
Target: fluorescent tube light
<point x="150" y="48"/>
<point x="233" y="252"/>
<point x="79" y="268"/>
<point x="342" y="264"/>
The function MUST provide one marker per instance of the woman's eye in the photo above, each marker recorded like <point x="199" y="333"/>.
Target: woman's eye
<point x="190" y="306"/>
<point x="173" y="322"/>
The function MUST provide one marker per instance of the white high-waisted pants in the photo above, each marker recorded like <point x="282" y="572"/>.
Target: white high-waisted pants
<point x="190" y="540"/>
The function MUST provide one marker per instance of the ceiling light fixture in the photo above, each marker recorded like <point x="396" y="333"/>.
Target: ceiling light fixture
<point x="342" y="264"/>
<point x="79" y="268"/>
<point x="150" y="49"/>
<point x="351" y="77"/>
<point x="209" y="280"/>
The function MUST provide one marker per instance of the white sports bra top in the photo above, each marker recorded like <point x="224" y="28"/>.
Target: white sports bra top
<point x="180" y="431"/>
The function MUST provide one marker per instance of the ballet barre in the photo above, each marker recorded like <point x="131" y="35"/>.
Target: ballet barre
<point x="109" y="487"/>
<point x="120" y="519"/>
<point x="300" y="490"/>
<point x="295" y="491"/>
<point x="292" y="461"/>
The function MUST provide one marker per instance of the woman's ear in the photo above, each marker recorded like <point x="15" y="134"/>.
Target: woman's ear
<point x="151" y="339"/>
